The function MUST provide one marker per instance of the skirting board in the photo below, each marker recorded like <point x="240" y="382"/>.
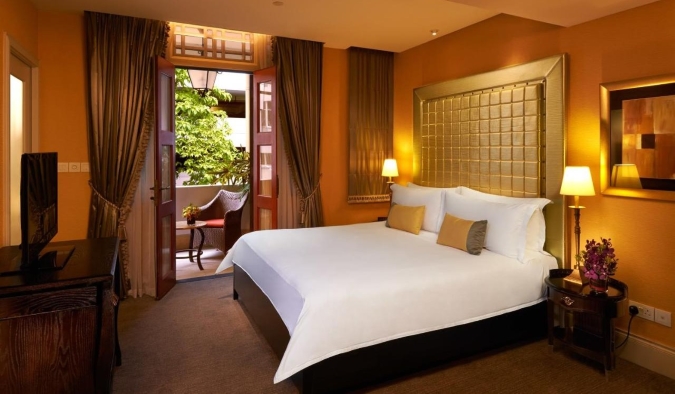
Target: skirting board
<point x="644" y="353"/>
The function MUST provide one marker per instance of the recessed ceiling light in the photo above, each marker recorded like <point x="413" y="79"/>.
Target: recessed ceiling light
<point x="278" y="3"/>
<point x="434" y="32"/>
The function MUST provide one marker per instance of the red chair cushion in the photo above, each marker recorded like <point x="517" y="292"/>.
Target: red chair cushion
<point x="215" y="223"/>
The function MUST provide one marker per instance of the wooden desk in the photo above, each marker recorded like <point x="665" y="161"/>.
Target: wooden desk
<point x="58" y="328"/>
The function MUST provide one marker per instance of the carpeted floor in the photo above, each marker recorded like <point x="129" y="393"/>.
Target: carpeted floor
<point x="198" y="340"/>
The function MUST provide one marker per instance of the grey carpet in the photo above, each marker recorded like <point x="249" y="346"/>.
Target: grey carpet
<point x="198" y="340"/>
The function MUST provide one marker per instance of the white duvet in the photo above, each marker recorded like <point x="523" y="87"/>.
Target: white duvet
<point x="346" y="287"/>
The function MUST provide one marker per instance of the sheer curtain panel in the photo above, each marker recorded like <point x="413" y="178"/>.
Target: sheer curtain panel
<point x="371" y="123"/>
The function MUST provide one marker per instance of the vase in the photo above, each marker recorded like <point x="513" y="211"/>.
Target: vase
<point x="191" y="221"/>
<point x="598" y="285"/>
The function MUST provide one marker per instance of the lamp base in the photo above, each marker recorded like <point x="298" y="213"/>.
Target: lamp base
<point x="576" y="277"/>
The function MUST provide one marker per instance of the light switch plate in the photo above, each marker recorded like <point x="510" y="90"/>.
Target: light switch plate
<point x="63" y="167"/>
<point x="73" y="167"/>
<point x="84" y="166"/>
<point x="662" y="317"/>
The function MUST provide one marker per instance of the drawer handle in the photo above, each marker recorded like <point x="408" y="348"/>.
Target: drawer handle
<point x="567" y="301"/>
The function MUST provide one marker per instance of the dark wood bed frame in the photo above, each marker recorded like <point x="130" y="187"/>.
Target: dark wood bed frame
<point x="395" y="358"/>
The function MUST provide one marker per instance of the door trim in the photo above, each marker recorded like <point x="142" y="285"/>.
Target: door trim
<point x="12" y="47"/>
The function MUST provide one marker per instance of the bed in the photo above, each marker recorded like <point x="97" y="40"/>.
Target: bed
<point x="347" y="306"/>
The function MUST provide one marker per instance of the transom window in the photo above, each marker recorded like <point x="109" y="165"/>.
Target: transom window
<point x="212" y="43"/>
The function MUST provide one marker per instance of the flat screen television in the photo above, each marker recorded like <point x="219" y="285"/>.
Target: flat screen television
<point x="39" y="205"/>
<point x="39" y="219"/>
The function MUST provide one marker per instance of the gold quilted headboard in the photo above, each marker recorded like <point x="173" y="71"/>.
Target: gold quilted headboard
<point x="501" y="132"/>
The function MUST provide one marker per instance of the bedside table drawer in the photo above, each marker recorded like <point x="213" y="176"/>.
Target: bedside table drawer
<point x="581" y="304"/>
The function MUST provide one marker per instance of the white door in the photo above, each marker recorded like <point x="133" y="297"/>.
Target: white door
<point x="20" y="136"/>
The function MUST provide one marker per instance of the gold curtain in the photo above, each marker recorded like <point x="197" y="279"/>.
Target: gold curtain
<point x="120" y="76"/>
<point x="299" y="69"/>
<point x="371" y="123"/>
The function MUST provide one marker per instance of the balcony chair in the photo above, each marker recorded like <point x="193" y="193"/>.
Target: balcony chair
<point x="223" y="219"/>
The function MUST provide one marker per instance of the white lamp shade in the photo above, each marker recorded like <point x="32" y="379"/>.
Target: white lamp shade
<point x="202" y="79"/>
<point x="625" y="175"/>
<point x="577" y="181"/>
<point x="390" y="168"/>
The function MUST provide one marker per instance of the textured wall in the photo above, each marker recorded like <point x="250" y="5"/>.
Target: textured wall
<point x="63" y="117"/>
<point x="618" y="47"/>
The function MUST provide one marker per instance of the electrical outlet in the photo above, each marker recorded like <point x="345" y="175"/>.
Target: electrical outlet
<point x="63" y="167"/>
<point x="73" y="167"/>
<point x="644" y="311"/>
<point x="662" y="317"/>
<point x="84" y="166"/>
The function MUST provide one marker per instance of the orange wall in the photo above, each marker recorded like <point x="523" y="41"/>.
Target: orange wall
<point x="335" y="146"/>
<point x="632" y="44"/>
<point x="18" y="18"/>
<point x="63" y="117"/>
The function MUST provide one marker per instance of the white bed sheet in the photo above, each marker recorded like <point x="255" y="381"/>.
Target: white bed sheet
<point x="345" y="287"/>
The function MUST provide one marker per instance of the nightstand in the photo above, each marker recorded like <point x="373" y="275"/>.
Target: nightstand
<point x="583" y="321"/>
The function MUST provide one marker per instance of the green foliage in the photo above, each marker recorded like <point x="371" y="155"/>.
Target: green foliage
<point x="202" y="145"/>
<point x="237" y="171"/>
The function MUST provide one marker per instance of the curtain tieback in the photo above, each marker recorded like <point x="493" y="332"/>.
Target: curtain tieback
<point x="304" y="200"/>
<point x="121" y="228"/>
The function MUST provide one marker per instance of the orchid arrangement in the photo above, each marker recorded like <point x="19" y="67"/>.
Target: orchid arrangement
<point x="599" y="259"/>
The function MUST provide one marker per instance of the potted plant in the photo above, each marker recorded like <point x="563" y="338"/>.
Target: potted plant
<point x="191" y="213"/>
<point x="600" y="263"/>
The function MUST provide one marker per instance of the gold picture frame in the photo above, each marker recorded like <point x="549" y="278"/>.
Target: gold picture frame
<point x="617" y="100"/>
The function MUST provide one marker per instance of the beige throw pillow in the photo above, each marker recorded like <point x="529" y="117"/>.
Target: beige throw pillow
<point x="462" y="234"/>
<point x="406" y="218"/>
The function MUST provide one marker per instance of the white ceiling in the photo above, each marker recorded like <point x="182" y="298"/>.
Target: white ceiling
<point x="391" y="25"/>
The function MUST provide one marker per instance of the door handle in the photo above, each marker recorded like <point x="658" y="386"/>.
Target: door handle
<point x="156" y="189"/>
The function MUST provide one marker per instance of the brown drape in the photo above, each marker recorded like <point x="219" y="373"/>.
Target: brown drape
<point x="371" y="123"/>
<point x="120" y="65"/>
<point x="299" y="68"/>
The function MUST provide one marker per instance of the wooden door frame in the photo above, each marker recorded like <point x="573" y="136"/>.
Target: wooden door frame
<point x="12" y="47"/>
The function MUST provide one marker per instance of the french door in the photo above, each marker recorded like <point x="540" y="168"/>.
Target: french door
<point x="265" y="181"/>
<point x="165" y="183"/>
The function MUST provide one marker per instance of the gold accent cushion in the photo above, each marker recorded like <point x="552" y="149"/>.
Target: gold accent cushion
<point x="462" y="234"/>
<point x="406" y="218"/>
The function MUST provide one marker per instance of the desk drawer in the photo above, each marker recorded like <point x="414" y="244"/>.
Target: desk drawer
<point x="580" y="304"/>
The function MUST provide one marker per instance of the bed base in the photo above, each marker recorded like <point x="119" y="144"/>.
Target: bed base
<point x="387" y="360"/>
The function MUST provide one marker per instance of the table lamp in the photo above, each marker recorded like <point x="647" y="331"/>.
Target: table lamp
<point x="389" y="169"/>
<point x="625" y="175"/>
<point x="577" y="182"/>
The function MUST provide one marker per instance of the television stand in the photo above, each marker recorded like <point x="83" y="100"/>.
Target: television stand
<point x="58" y="326"/>
<point x="52" y="258"/>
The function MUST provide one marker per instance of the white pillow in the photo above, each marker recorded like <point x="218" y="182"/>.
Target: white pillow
<point x="507" y="223"/>
<point x="447" y="189"/>
<point x="431" y="198"/>
<point x="536" y="227"/>
<point x="538" y="201"/>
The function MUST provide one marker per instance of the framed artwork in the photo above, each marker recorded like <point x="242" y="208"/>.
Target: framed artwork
<point x="637" y="123"/>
